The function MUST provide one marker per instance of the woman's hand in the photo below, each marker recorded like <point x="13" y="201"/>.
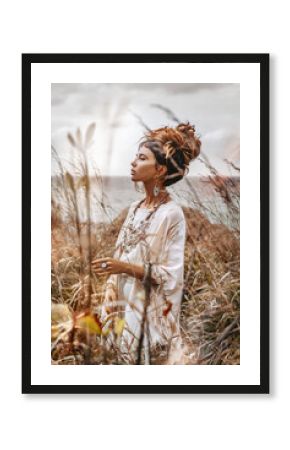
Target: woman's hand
<point x="112" y="266"/>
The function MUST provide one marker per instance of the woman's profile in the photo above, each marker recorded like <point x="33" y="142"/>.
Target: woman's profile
<point x="146" y="271"/>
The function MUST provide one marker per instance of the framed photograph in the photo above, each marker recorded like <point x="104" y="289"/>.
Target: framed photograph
<point x="145" y="223"/>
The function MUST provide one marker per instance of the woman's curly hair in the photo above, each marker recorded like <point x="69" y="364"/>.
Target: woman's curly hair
<point x="174" y="147"/>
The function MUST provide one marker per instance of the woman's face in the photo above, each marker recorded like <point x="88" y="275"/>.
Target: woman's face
<point x="143" y="168"/>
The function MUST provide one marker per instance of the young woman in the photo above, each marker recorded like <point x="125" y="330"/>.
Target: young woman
<point x="146" y="272"/>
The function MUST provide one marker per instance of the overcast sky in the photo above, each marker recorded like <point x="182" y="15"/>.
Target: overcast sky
<point x="214" y="109"/>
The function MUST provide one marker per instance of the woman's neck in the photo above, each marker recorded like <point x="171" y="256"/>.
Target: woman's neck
<point x="150" y="199"/>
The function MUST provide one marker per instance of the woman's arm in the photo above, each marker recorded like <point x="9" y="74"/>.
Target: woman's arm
<point x="133" y="270"/>
<point x="136" y="271"/>
<point x="116" y="266"/>
<point x="169" y="269"/>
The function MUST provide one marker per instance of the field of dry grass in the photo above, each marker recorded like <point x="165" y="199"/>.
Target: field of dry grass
<point x="210" y="314"/>
<point x="210" y="306"/>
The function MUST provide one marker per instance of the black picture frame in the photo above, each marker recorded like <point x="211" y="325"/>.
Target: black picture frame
<point x="263" y="60"/>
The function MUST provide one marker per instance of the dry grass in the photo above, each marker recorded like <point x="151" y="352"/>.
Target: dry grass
<point x="211" y="301"/>
<point x="210" y="307"/>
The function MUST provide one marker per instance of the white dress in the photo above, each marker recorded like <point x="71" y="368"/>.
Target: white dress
<point x="162" y="244"/>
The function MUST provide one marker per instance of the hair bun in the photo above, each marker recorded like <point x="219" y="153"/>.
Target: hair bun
<point x="192" y="144"/>
<point x="173" y="147"/>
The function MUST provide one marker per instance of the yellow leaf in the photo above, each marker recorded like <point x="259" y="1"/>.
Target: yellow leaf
<point x="119" y="326"/>
<point x="90" y="324"/>
<point x="106" y="331"/>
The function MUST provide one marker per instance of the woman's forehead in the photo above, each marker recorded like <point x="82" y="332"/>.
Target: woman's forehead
<point x="145" y="151"/>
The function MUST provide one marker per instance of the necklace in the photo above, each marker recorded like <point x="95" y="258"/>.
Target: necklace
<point x="132" y="235"/>
<point x="153" y="206"/>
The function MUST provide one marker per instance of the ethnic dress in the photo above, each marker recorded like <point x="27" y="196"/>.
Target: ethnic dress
<point x="159" y="240"/>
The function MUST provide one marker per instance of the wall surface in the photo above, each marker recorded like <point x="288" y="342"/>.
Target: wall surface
<point x="200" y="421"/>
